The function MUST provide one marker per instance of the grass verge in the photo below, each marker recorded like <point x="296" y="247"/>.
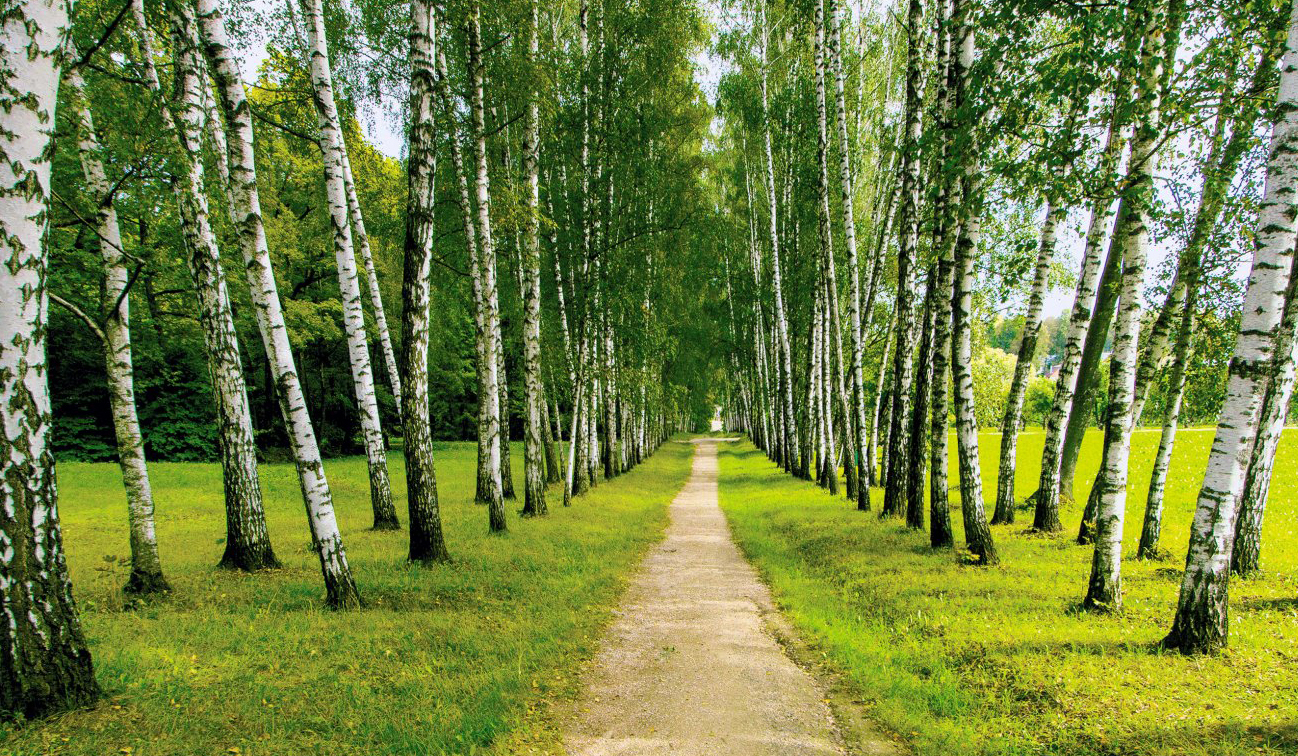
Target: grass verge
<point x="976" y="661"/>
<point x="446" y="659"/>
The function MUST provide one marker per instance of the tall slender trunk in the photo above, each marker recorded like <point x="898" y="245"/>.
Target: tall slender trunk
<point x="1201" y="623"/>
<point x="245" y="210"/>
<point x="919" y="422"/>
<point x="1104" y="590"/>
<point x="362" y="239"/>
<point x="1055" y="213"/>
<point x="489" y="417"/>
<point x="427" y="543"/>
<point x="44" y="662"/>
<point x="857" y="416"/>
<point x="533" y="453"/>
<point x="333" y="151"/>
<point x="115" y="334"/>
<point x="941" y="536"/>
<point x="1152" y="528"/>
<point x="247" y="545"/>
<point x="1046" y="516"/>
<point x="895" y="495"/>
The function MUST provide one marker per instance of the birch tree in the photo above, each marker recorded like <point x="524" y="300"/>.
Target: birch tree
<point x="326" y="538"/>
<point x="247" y="544"/>
<point x="534" y="491"/>
<point x="489" y="419"/>
<point x="334" y="153"/>
<point x="1104" y="590"/>
<point x="427" y="544"/>
<point x="1201" y="622"/>
<point x="44" y="661"/>
<point x="114" y="331"/>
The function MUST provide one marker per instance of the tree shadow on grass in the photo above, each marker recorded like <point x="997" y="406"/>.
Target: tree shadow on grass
<point x="1190" y="739"/>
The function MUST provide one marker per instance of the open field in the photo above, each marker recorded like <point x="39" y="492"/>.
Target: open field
<point x="442" y="660"/>
<point x="967" y="660"/>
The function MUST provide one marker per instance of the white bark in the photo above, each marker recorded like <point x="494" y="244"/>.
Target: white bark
<point x="489" y="424"/>
<point x="530" y="273"/>
<point x="362" y="242"/>
<point x="1201" y="622"/>
<point x="44" y="662"/>
<point x="246" y="212"/>
<point x="146" y="569"/>
<point x="333" y="151"/>
<point x="247" y="544"/>
<point x="427" y="543"/>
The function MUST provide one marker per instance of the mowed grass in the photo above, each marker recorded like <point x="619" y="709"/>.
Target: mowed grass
<point x="443" y="659"/>
<point x="965" y="660"/>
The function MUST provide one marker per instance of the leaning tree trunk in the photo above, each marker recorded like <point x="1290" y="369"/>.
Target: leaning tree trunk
<point x="1055" y="213"/>
<point x="1152" y="528"/>
<point x="247" y="542"/>
<point x="362" y="239"/>
<point x="146" y="569"/>
<point x="895" y="496"/>
<point x="1246" y="556"/>
<point x="534" y="401"/>
<point x="1201" y="623"/>
<point x="245" y="211"/>
<point x="426" y="541"/>
<point x="334" y="154"/>
<point x="489" y="427"/>
<point x="1046" y="516"/>
<point x="1104" y="590"/>
<point x="44" y="662"/>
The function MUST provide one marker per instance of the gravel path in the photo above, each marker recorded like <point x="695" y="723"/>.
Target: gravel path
<point x="689" y="667"/>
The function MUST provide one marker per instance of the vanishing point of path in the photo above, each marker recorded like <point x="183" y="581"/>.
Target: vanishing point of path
<point x="690" y="667"/>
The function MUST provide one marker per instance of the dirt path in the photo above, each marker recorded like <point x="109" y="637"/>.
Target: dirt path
<point x="689" y="666"/>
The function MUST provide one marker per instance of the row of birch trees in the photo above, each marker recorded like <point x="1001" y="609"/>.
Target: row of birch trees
<point x="546" y="176"/>
<point x="875" y="157"/>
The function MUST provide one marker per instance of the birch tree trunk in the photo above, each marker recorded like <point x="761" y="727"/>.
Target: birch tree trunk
<point x="333" y="151"/>
<point x="1055" y="214"/>
<point x="533" y="453"/>
<point x="895" y="495"/>
<point x="1104" y="591"/>
<point x="44" y="662"/>
<point x="427" y="544"/>
<point x="146" y="569"/>
<point x="784" y="353"/>
<point x="245" y="210"/>
<point x="1046" y="515"/>
<point x="1152" y="527"/>
<point x="941" y="536"/>
<point x="857" y="417"/>
<point x="915" y="464"/>
<point x="978" y="536"/>
<point x="1246" y="556"/>
<point x="362" y="240"/>
<point x="1201" y="623"/>
<point x="247" y="543"/>
<point x="489" y="428"/>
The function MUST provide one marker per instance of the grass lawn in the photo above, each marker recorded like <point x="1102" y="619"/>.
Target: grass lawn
<point x="445" y="659"/>
<point x="968" y="660"/>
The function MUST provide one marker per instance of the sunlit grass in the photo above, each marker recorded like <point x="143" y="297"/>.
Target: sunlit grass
<point x="960" y="659"/>
<point x="443" y="659"/>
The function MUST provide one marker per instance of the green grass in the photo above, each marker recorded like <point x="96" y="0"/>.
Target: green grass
<point x="967" y="660"/>
<point x="444" y="659"/>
